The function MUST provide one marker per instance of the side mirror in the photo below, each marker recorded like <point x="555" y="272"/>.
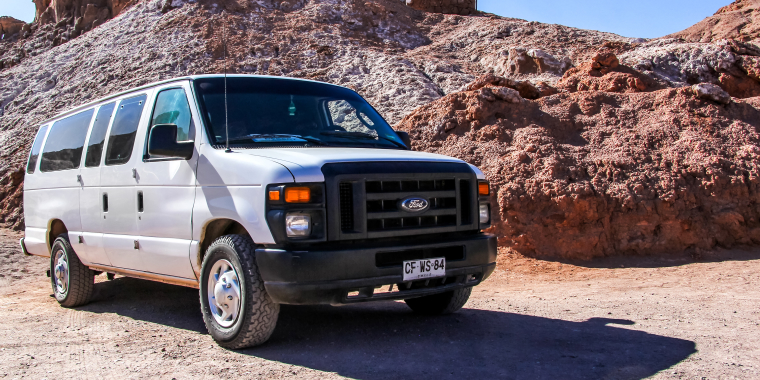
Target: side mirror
<point x="163" y="143"/>
<point x="405" y="139"/>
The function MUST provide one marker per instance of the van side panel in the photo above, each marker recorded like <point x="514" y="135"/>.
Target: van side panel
<point x="232" y="186"/>
<point x="35" y="240"/>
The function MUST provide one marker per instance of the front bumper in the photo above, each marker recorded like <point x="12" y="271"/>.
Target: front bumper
<point x="348" y="275"/>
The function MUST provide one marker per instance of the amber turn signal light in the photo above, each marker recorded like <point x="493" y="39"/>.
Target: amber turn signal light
<point x="274" y="195"/>
<point x="483" y="188"/>
<point x="297" y="194"/>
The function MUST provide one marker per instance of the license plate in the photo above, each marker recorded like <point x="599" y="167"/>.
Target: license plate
<point x="424" y="268"/>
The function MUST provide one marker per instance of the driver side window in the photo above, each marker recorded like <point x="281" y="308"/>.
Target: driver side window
<point x="344" y="115"/>
<point x="172" y="108"/>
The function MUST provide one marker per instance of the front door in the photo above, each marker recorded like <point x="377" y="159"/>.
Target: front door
<point x="166" y="189"/>
<point x="118" y="177"/>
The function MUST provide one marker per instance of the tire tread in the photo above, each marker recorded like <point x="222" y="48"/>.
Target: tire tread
<point x="261" y="311"/>
<point x="81" y="278"/>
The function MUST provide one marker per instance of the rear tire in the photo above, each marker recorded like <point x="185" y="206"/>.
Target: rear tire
<point x="72" y="281"/>
<point x="236" y="308"/>
<point x="439" y="304"/>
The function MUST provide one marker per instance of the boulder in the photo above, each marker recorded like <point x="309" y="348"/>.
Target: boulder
<point x="709" y="91"/>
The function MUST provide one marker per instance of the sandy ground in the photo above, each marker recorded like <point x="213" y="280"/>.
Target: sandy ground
<point x="621" y="318"/>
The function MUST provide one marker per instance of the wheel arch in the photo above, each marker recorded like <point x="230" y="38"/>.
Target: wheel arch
<point x="215" y="228"/>
<point x="56" y="227"/>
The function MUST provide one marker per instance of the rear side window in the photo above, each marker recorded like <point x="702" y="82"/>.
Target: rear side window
<point x="36" y="147"/>
<point x="124" y="130"/>
<point x="172" y="108"/>
<point x="98" y="135"/>
<point x="63" y="150"/>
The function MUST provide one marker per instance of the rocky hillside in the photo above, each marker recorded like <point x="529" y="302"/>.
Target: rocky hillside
<point x="398" y="57"/>
<point x="739" y="20"/>
<point x="569" y="124"/>
<point x="611" y="168"/>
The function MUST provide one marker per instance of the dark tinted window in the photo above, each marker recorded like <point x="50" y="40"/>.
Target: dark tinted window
<point x="172" y="108"/>
<point x="122" y="137"/>
<point x="63" y="149"/>
<point x="98" y="135"/>
<point x="30" y="167"/>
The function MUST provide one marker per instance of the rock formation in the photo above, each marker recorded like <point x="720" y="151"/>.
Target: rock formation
<point x="9" y="26"/>
<point x="739" y="20"/>
<point x="594" y="173"/>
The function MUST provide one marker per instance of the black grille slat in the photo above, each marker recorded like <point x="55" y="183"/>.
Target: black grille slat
<point x="434" y="212"/>
<point x="396" y="195"/>
<point x="346" y="206"/>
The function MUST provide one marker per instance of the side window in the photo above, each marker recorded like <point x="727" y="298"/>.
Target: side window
<point x="65" y="143"/>
<point x="98" y="135"/>
<point x="124" y="129"/>
<point x="36" y="147"/>
<point x="344" y="116"/>
<point x="172" y="108"/>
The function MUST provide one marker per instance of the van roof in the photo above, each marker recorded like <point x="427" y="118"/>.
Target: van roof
<point x="166" y="81"/>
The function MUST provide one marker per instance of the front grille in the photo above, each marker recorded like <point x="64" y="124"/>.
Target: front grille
<point x="364" y="199"/>
<point x="346" y="207"/>
<point x="395" y="259"/>
<point x="383" y="198"/>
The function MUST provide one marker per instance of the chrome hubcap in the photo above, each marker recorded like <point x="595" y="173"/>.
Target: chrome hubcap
<point x="61" y="272"/>
<point x="224" y="293"/>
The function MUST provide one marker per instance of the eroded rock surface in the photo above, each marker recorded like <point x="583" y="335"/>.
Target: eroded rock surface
<point x="10" y="27"/>
<point x="739" y="20"/>
<point x="592" y="173"/>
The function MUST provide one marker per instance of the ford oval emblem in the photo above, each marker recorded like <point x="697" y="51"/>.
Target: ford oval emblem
<point x="415" y="204"/>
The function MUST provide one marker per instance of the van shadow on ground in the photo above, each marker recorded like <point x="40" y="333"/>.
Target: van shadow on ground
<point x="386" y="341"/>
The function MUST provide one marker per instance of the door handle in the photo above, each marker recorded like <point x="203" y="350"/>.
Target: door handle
<point x="105" y="202"/>
<point x="140" y="202"/>
<point x="79" y="179"/>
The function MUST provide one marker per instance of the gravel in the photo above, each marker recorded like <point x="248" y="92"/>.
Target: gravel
<point x="623" y="318"/>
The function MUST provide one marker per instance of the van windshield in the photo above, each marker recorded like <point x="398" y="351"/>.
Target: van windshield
<point x="281" y="112"/>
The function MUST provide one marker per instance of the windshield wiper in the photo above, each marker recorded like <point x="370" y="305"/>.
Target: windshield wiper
<point x="250" y="138"/>
<point x="360" y="135"/>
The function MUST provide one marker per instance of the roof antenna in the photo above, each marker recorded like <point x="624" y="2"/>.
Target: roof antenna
<point x="226" y="115"/>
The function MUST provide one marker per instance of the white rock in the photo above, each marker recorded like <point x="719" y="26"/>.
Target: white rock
<point x="709" y="91"/>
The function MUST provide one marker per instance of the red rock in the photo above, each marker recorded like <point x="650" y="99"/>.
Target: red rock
<point x="739" y="20"/>
<point x="604" y="73"/>
<point x="10" y="26"/>
<point x="592" y="174"/>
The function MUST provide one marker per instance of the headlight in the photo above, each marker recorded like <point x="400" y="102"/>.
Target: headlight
<point x="485" y="214"/>
<point x="298" y="225"/>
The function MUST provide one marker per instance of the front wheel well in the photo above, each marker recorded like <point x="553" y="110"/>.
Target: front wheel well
<point x="216" y="228"/>
<point x="56" y="229"/>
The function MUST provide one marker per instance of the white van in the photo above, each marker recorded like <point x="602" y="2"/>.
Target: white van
<point x="258" y="191"/>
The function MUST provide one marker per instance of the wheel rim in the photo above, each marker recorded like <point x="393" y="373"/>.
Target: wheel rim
<point x="224" y="293"/>
<point x="61" y="272"/>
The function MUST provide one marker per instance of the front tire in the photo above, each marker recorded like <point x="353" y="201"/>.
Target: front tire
<point x="236" y="308"/>
<point x="439" y="304"/>
<point x="72" y="281"/>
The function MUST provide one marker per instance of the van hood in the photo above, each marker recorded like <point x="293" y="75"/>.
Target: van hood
<point x="306" y="163"/>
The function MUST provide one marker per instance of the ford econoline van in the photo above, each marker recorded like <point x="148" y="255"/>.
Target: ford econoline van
<point x="258" y="191"/>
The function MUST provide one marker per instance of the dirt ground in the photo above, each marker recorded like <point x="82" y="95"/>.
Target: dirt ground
<point x="620" y="318"/>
